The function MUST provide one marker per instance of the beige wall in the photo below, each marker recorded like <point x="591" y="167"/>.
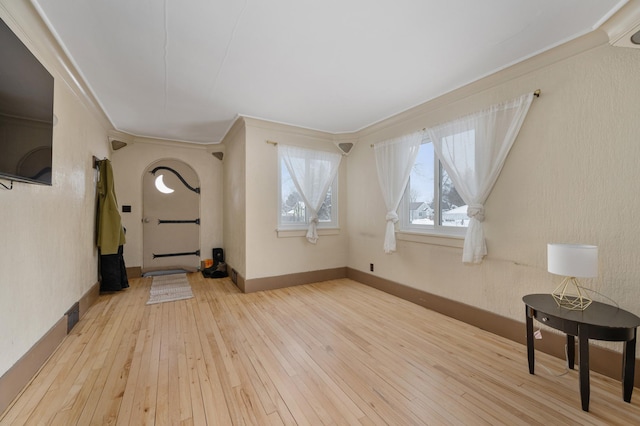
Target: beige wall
<point x="47" y="256"/>
<point x="129" y="165"/>
<point x="268" y="254"/>
<point x="571" y="176"/>
<point x="234" y="197"/>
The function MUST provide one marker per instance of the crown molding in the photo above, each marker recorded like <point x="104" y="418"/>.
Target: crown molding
<point x="623" y="24"/>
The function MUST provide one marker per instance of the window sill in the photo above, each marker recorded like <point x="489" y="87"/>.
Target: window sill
<point x="456" y="241"/>
<point x="287" y="233"/>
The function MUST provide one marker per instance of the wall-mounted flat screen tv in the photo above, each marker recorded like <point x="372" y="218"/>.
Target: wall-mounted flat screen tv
<point x="26" y="113"/>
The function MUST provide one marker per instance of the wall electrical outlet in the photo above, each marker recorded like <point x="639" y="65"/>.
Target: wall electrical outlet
<point x="371" y="267"/>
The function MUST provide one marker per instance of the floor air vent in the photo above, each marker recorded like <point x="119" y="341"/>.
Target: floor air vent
<point x="73" y="316"/>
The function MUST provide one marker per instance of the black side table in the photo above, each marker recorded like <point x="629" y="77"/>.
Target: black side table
<point x="599" y="321"/>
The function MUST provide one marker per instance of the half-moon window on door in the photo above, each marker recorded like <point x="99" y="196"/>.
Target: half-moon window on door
<point x="161" y="186"/>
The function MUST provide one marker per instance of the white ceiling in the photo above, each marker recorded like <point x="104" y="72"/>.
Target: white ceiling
<point x="184" y="70"/>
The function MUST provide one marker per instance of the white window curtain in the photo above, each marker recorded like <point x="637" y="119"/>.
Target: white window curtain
<point x="312" y="173"/>
<point x="472" y="150"/>
<point x="394" y="160"/>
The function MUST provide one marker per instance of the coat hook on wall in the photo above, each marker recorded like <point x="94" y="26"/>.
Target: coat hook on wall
<point x="97" y="161"/>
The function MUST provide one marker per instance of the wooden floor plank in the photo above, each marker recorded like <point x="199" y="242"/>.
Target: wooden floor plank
<point x="181" y="368"/>
<point x="138" y="363"/>
<point x="217" y="407"/>
<point x="193" y="354"/>
<point x="25" y="405"/>
<point x="336" y="352"/>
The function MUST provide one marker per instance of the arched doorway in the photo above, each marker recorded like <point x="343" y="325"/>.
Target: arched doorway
<point x="171" y="217"/>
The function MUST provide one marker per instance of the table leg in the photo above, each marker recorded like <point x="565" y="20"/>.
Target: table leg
<point x="530" y="350"/>
<point x="628" y="367"/>
<point x="571" y="351"/>
<point x="583" y="340"/>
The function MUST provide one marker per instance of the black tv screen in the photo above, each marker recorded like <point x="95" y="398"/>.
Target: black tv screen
<point x="26" y="113"/>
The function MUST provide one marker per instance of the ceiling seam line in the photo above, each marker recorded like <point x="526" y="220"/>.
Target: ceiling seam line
<point x="166" y="54"/>
<point x="226" y="50"/>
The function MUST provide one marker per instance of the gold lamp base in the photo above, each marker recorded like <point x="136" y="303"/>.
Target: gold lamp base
<point x="568" y="295"/>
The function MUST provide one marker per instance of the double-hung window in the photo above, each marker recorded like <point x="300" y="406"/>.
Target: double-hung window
<point x="292" y="212"/>
<point x="431" y="203"/>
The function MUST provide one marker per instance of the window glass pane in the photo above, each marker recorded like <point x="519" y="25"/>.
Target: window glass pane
<point x="421" y="187"/>
<point x="292" y="208"/>
<point x="431" y="202"/>
<point x="324" y="214"/>
<point x="453" y="210"/>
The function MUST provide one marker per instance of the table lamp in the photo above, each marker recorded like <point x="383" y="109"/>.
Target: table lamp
<point x="571" y="261"/>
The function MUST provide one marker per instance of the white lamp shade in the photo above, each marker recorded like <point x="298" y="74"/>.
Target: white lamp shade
<point x="572" y="260"/>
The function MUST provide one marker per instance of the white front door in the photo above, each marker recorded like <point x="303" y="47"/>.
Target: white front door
<point x="171" y="217"/>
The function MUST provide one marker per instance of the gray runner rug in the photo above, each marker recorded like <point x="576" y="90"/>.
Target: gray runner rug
<point x="167" y="288"/>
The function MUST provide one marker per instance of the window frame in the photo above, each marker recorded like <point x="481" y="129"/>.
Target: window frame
<point x="404" y="212"/>
<point x="322" y="224"/>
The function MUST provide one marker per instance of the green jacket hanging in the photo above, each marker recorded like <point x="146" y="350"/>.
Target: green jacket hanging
<point x="110" y="230"/>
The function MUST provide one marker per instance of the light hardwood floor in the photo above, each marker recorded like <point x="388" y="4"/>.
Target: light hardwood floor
<point x="336" y="352"/>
